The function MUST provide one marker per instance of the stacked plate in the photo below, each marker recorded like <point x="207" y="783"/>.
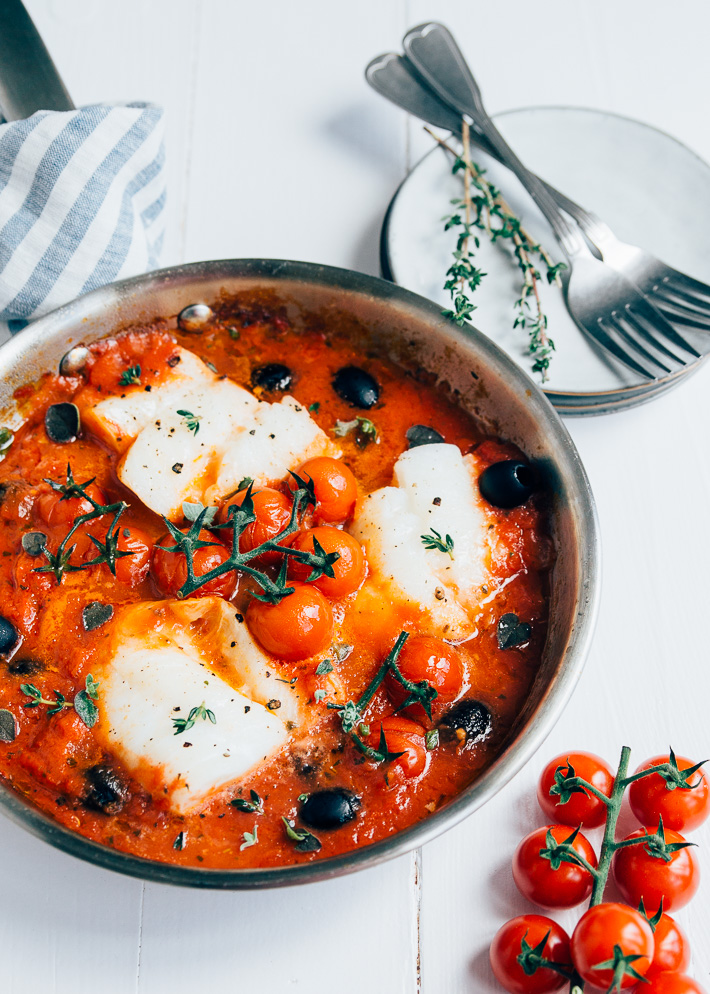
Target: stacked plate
<point x="653" y="191"/>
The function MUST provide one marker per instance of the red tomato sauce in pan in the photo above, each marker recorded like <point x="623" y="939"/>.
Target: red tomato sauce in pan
<point x="51" y="753"/>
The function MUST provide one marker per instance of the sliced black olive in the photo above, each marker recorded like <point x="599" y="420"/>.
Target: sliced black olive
<point x="107" y="791"/>
<point x="356" y="386"/>
<point x="62" y="422"/>
<point x="25" y="667"/>
<point x="96" y="614"/>
<point x="470" y="717"/>
<point x="330" y="808"/>
<point x="272" y="376"/>
<point x="8" y="635"/>
<point x="507" y="484"/>
<point x="423" y="435"/>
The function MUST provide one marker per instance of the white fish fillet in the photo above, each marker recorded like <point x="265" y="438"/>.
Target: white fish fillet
<point x="172" y="654"/>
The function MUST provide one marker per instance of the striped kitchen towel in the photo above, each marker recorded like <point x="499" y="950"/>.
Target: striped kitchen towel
<point x="82" y="203"/>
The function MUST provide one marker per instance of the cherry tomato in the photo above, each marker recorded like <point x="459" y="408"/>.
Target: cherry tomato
<point x="535" y="878"/>
<point x="133" y="569"/>
<point x="334" y="484"/>
<point x="681" y="809"/>
<point x="582" y="808"/>
<point x="671" y="983"/>
<point x="273" y="513"/>
<point x="641" y="875"/>
<point x="407" y="737"/>
<point x="170" y="568"/>
<point x="349" y="569"/>
<point x="298" y="626"/>
<point x="598" y="931"/>
<point x="672" y="951"/>
<point x="57" y="511"/>
<point x="426" y="658"/>
<point x="507" y="946"/>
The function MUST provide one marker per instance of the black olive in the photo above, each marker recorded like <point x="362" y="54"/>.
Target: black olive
<point x="330" y="808"/>
<point x="8" y="635"/>
<point x="356" y="386"/>
<point x="423" y="435"/>
<point x="25" y="667"/>
<point x="508" y="483"/>
<point x="62" y="422"/>
<point x="272" y="376"/>
<point x="107" y="791"/>
<point x="471" y="717"/>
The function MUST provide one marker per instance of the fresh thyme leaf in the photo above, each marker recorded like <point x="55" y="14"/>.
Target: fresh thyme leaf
<point x="83" y="702"/>
<point x="250" y="838"/>
<point x="255" y="806"/>
<point x="85" y="708"/>
<point x="234" y="333"/>
<point x="435" y="541"/>
<point x="192" y="512"/>
<point x="7" y="437"/>
<point x="431" y="739"/>
<point x="180" y="840"/>
<point x="319" y="695"/>
<point x="131" y="377"/>
<point x="366" y="430"/>
<point x="191" y="421"/>
<point x="482" y="208"/>
<point x="324" y="667"/>
<point x="181" y="725"/>
<point x="305" y="841"/>
<point x="245" y="482"/>
<point x="314" y="407"/>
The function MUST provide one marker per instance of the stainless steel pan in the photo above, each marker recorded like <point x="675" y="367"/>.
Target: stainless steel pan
<point x="488" y="384"/>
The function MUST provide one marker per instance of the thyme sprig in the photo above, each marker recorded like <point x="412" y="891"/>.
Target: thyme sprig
<point x="351" y="713"/>
<point x="59" y="562"/>
<point x="435" y="541"/>
<point x="238" y="518"/>
<point x="83" y="703"/>
<point x="483" y="208"/>
<point x="131" y="377"/>
<point x="191" y="421"/>
<point x="181" y="725"/>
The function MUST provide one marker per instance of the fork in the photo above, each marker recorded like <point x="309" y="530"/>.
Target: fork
<point x="625" y="318"/>
<point x="684" y="299"/>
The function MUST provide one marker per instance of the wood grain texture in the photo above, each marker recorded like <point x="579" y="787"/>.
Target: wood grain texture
<point x="276" y="147"/>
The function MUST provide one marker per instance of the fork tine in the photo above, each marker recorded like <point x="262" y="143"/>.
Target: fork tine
<point x="655" y="319"/>
<point x="688" y="283"/>
<point x="693" y="305"/>
<point x="643" y="330"/>
<point x="601" y="335"/>
<point x="617" y="323"/>
<point x="684" y="317"/>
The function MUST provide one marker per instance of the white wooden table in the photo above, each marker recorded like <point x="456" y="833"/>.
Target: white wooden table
<point x="278" y="148"/>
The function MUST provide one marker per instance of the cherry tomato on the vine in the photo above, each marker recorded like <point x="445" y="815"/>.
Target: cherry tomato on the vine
<point x="598" y="931"/>
<point x="334" y="484"/>
<point x="671" y="983"/>
<point x="170" y="568"/>
<point x="672" y="951"/>
<point x="682" y="809"/>
<point x="349" y="569"/>
<point x="59" y="511"/>
<point x="507" y="946"/>
<point x="582" y="808"/>
<point x="535" y="877"/>
<point x="133" y="569"/>
<point x="424" y="657"/>
<point x="640" y="875"/>
<point x="405" y="736"/>
<point x="273" y="513"/>
<point x="296" y="627"/>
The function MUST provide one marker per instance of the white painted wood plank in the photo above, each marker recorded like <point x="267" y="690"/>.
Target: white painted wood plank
<point x="71" y="927"/>
<point x="294" y="156"/>
<point x="342" y="935"/>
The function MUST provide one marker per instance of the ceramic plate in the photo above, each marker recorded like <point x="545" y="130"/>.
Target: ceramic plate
<point x="652" y="190"/>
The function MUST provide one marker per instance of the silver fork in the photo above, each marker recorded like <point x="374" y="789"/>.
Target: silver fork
<point x="619" y="317"/>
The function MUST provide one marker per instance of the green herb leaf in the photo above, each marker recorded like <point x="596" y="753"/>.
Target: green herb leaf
<point x="366" y="430"/>
<point x="314" y="407"/>
<point x="324" y="667"/>
<point x="319" y="695"/>
<point x="96" y="614"/>
<point x="131" y="377"/>
<point x="181" y="725"/>
<point x="191" y="421"/>
<point x="431" y="739"/>
<point x="250" y="838"/>
<point x="246" y="481"/>
<point x="305" y="841"/>
<point x="255" y="806"/>
<point x="7" y="437"/>
<point x="435" y="541"/>
<point x="511" y="631"/>
<point x="192" y="512"/>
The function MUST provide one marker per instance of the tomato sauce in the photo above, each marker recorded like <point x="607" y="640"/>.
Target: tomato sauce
<point x="51" y="754"/>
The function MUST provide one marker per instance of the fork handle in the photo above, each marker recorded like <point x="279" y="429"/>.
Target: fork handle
<point x="430" y="47"/>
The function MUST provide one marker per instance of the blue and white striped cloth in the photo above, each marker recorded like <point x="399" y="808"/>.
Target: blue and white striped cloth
<point x="82" y="203"/>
